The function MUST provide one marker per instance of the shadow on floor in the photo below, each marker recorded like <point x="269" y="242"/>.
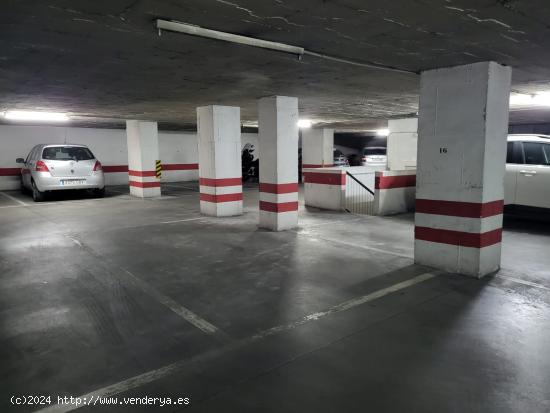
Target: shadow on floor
<point x="526" y="224"/>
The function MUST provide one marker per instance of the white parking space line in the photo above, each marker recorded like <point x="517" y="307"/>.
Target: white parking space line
<point x="523" y="282"/>
<point x="177" y="308"/>
<point x="182" y="220"/>
<point x="353" y="245"/>
<point x="76" y="241"/>
<point x="354" y="302"/>
<point x="182" y="365"/>
<point x="168" y="302"/>
<point x="12" y="198"/>
<point x="332" y="221"/>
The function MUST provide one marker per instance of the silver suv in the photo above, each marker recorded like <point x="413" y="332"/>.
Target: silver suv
<point x="60" y="167"/>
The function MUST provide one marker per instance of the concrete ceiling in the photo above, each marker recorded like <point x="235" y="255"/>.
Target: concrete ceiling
<point x="104" y="58"/>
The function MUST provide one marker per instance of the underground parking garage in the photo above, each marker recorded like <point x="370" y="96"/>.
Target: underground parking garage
<point x="274" y="206"/>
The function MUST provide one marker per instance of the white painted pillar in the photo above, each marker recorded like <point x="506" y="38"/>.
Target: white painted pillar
<point x="278" y="141"/>
<point x="317" y="148"/>
<point x="220" y="174"/>
<point x="461" y="161"/>
<point x="143" y="153"/>
<point x="402" y="144"/>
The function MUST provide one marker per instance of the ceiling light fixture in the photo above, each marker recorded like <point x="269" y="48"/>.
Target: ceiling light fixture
<point x="26" y="115"/>
<point x="191" y="29"/>
<point x="304" y="123"/>
<point x="250" y="124"/>
<point x="382" y="132"/>
<point x="536" y="99"/>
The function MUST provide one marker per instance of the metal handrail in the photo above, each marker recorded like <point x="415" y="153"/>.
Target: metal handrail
<point x="359" y="182"/>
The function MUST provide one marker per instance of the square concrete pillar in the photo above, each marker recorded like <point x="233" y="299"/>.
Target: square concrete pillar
<point x="143" y="154"/>
<point x="220" y="174"/>
<point x="278" y="141"/>
<point x="402" y="144"/>
<point x="461" y="161"/>
<point x="317" y="148"/>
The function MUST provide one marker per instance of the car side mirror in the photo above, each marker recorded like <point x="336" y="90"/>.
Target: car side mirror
<point x="20" y="160"/>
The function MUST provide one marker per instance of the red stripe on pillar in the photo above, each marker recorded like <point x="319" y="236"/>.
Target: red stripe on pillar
<point x="324" y="178"/>
<point x="278" y="188"/>
<point x="180" y="166"/>
<point x="460" y="209"/>
<point x="398" y="181"/>
<point x="145" y="184"/>
<point x="221" y="198"/>
<point x="464" y="239"/>
<point x="220" y="182"/>
<point x="141" y="173"/>
<point x="278" y="207"/>
<point x="115" y="168"/>
<point x="10" y="171"/>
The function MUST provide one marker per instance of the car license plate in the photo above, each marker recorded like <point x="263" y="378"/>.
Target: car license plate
<point x="69" y="182"/>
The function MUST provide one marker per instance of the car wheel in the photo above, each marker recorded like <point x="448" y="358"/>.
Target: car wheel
<point x="37" y="196"/>
<point x="100" y="193"/>
<point x="23" y="189"/>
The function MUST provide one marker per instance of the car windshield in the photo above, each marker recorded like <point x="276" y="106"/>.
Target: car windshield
<point x="374" y="151"/>
<point x="67" y="153"/>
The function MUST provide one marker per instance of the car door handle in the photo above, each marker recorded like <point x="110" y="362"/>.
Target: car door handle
<point x="530" y="173"/>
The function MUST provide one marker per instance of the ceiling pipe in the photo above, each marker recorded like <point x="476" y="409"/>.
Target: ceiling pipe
<point x="193" y="30"/>
<point x="227" y="37"/>
<point x="361" y="64"/>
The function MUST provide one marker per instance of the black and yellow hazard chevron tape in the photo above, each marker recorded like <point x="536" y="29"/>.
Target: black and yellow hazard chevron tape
<point x="158" y="169"/>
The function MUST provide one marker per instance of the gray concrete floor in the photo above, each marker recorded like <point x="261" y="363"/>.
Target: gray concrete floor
<point x="116" y="297"/>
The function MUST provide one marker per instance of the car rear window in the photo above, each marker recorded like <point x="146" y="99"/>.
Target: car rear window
<point x="67" y="153"/>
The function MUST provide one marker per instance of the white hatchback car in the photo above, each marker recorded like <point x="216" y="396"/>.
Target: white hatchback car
<point x="527" y="178"/>
<point x="375" y="157"/>
<point x="60" y="167"/>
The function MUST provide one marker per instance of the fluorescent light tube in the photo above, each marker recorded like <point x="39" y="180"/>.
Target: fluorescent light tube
<point x="304" y="123"/>
<point x="36" y="116"/>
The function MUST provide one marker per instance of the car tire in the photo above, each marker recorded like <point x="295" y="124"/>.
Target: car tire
<point x="23" y="189"/>
<point x="99" y="193"/>
<point x="37" y="196"/>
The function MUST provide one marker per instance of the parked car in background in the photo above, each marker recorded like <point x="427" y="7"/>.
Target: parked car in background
<point x="355" y="160"/>
<point x="61" y="167"/>
<point x="375" y="156"/>
<point x="527" y="177"/>
<point x="340" y="159"/>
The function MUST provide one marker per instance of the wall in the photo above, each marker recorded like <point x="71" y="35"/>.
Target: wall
<point x="317" y="148"/>
<point x="395" y="192"/>
<point x="358" y="140"/>
<point x="346" y="150"/>
<point x="402" y="144"/>
<point x="325" y="188"/>
<point x="178" y="151"/>
<point x="537" y="128"/>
